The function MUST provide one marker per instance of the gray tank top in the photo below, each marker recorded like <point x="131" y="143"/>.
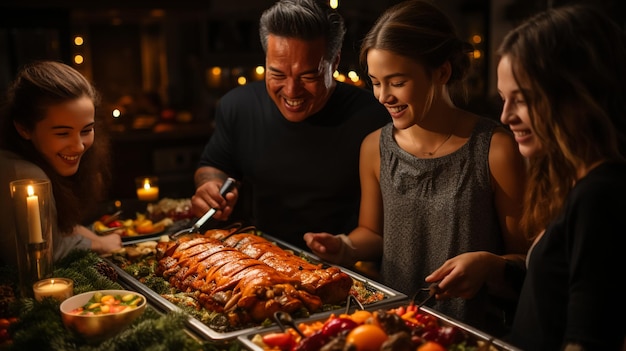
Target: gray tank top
<point x="435" y="209"/>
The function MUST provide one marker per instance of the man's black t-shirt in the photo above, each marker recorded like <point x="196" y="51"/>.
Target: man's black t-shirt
<point x="296" y="177"/>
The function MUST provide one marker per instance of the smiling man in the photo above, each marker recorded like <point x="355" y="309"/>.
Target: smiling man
<point x="293" y="140"/>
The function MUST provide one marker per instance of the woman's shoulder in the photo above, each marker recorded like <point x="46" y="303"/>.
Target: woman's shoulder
<point x="16" y="167"/>
<point x="383" y="134"/>
<point x="373" y="138"/>
<point x="493" y="131"/>
<point x="489" y="124"/>
<point x="602" y="192"/>
<point x="608" y="176"/>
<point x="470" y="124"/>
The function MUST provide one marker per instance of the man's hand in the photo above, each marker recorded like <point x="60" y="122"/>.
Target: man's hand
<point x="208" y="196"/>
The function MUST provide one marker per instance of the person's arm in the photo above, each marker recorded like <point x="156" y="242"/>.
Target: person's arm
<point x="508" y="169"/>
<point x="217" y="161"/>
<point x="508" y="173"/>
<point x="100" y="244"/>
<point x="208" y="182"/>
<point x="367" y="238"/>
<point x="464" y="275"/>
<point x="364" y="243"/>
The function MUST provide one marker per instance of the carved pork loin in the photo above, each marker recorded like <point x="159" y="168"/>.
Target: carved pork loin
<point x="330" y="284"/>
<point x="227" y="279"/>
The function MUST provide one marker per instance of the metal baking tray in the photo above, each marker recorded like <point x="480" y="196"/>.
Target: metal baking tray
<point x="163" y="304"/>
<point x="391" y="297"/>
<point x="499" y="344"/>
<point x="161" y="311"/>
<point x="495" y="343"/>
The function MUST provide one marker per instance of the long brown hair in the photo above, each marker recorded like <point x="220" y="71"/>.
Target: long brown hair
<point x="569" y="63"/>
<point x="36" y="88"/>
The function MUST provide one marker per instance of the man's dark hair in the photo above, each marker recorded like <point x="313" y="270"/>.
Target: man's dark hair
<point x="305" y="20"/>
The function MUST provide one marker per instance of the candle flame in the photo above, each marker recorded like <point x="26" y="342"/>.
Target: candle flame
<point x="146" y="184"/>
<point x="30" y="190"/>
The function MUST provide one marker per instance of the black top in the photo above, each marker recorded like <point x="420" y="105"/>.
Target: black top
<point x="296" y="177"/>
<point x="574" y="285"/>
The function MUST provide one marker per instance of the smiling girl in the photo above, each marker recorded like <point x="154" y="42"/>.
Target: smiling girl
<point x="48" y="132"/>
<point x="437" y="181"/>
<point x="561" y="77"/>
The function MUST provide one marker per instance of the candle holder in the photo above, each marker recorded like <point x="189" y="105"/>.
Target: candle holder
<point x="147" y="188"/>
<point x="32" y="206"/>
<point x="58" y="288"/>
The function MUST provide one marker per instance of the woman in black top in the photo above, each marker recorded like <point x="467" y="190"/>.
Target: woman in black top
<point x="561" y="76"/>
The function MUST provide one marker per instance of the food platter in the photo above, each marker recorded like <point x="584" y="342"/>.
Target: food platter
<point x="445" y="331"/>
<point x="197" y="322"/>
<point x="137" y="221"/>
<point x="142" y="237"/>
<point x="170" y="229"/>
<point x="131" y="229"/>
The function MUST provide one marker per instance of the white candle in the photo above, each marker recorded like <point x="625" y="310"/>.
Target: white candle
<point x="148" y="192"/>
<point x="33" y="217"/>
<point x="58" y="288"/>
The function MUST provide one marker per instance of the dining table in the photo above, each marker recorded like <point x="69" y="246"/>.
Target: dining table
<point x="29" y="324"/>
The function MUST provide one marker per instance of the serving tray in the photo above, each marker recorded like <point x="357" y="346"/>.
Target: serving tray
<point x="390" y="297"/>
<point x="489" y="342"/>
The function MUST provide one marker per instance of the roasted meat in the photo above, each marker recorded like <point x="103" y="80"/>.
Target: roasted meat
<point x="226" y="279"/>
<point x="329" y="283"/>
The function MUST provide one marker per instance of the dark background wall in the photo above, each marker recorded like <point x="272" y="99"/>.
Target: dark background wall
<point x="155" y="60"/>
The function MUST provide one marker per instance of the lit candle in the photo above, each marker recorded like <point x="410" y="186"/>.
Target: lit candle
<point x="58" y="288"/>
<point x="33" y="217"/>
<point x="148" y="192"/>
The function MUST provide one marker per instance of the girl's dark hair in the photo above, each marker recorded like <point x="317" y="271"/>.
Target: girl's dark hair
<point x="570" y="65"/>
<point x="422" y="32"/>
<point x="305" y="20"/>
<point x="37" y="87"/>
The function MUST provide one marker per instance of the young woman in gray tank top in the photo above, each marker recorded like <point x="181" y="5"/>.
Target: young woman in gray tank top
<point x="436" y="182"/>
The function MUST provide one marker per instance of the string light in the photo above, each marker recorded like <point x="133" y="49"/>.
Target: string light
<point x="353" y="76"/>
<point x="79" y="59"/>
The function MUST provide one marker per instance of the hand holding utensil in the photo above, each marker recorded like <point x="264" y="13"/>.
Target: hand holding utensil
<point x="228" y="184"/>
<point x="109" y="230"/>
<point x="432" y="289"/>
<point x="112" y="218"/>
<point x="105" y="223"/>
